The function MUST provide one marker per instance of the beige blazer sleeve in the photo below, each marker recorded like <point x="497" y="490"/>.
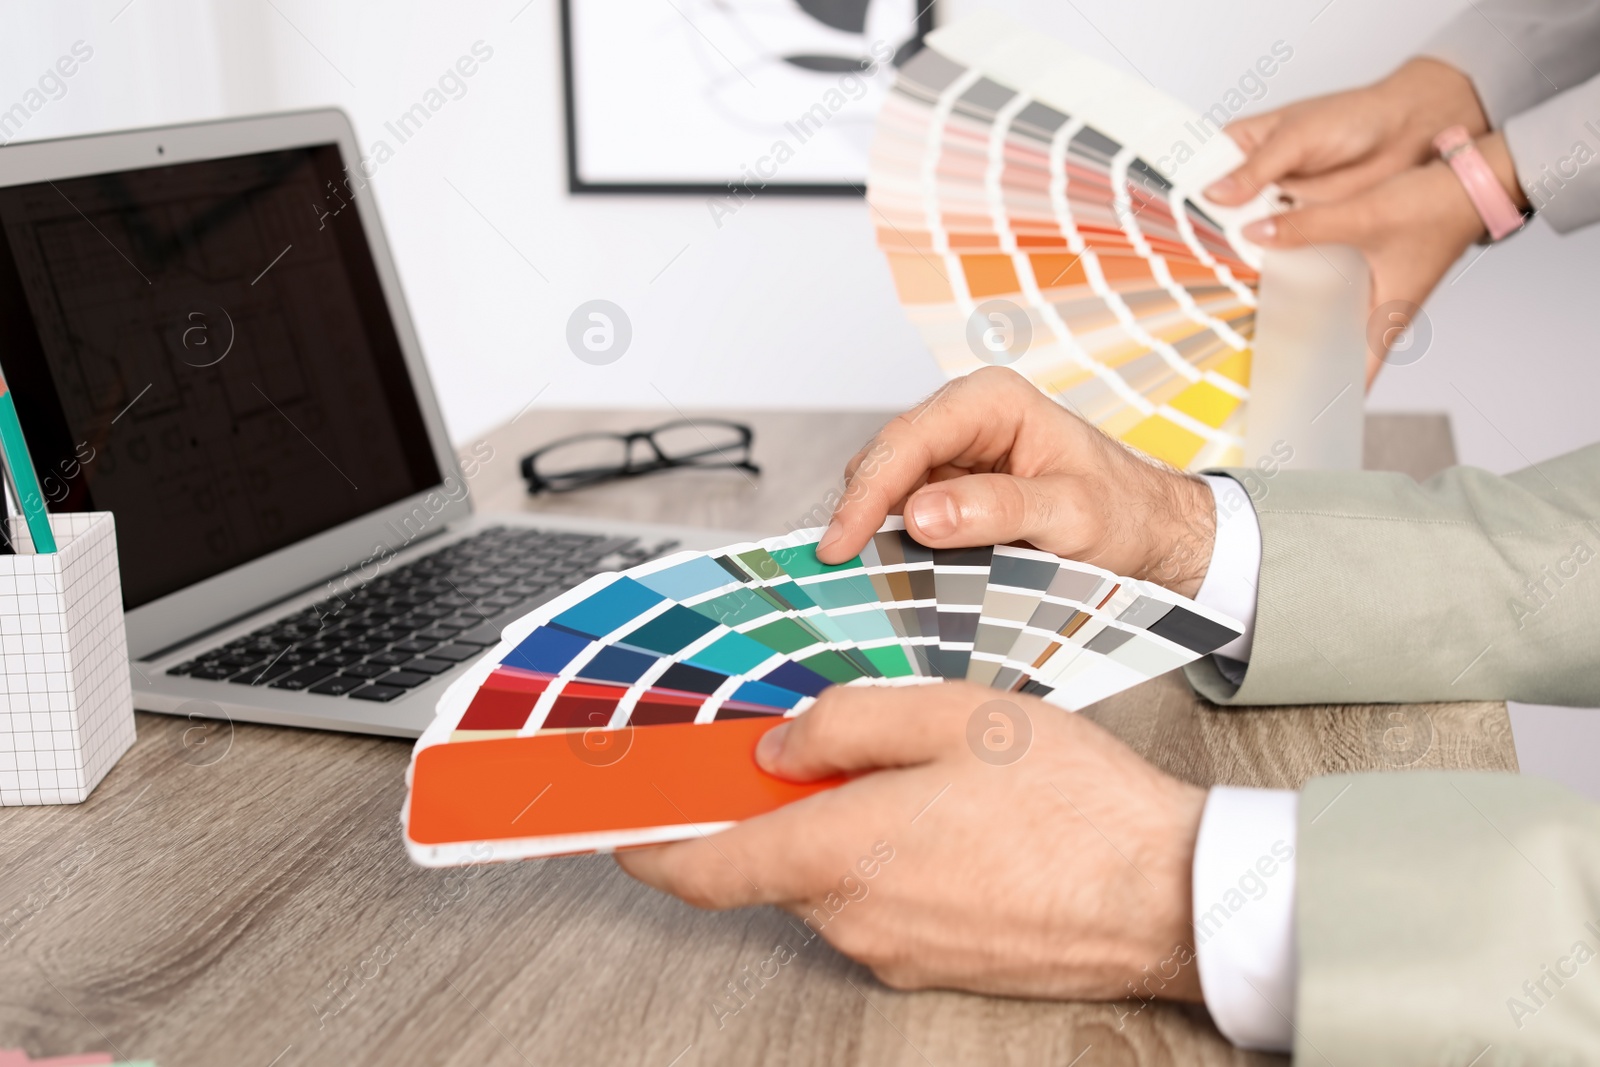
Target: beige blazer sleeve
<point x="1520" y="53"/>
<point x="1534" y="65"/>
<point x="1555" y="148"/>
<point x="1447" y="917"/>
<point x="1470" y="586"/>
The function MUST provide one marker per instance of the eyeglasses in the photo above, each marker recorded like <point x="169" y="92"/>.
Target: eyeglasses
<point x="591" y="458"/>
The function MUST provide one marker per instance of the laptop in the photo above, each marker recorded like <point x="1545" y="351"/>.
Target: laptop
<point x="207" y="336"/>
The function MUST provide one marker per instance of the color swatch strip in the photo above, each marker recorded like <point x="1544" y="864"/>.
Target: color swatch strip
<point x="1022" y="227"/>
<point x="649" y="687"/>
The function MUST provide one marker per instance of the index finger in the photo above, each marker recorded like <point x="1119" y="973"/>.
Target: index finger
<point x="972" y="421"/>
<point x="1251" y="130"/>
<point x="794" y="853"/>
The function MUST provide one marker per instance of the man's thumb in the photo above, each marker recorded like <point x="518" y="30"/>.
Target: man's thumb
<point x="978" y="509"/>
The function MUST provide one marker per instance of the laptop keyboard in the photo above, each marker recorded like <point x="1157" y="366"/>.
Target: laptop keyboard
<point x="381" y="639"/>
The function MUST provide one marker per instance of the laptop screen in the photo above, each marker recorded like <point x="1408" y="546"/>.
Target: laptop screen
<point x="205" y="350"/>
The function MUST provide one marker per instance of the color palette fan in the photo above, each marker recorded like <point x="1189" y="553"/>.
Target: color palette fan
<point x="627" y="710"/>
<point x="1040" y="210"/>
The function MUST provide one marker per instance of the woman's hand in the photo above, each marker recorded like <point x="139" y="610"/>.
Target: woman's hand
<point x="1410" y="229"/>
<point x="1338" y="146"/>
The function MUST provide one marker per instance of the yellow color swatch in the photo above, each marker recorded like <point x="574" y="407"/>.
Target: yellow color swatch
<point x="1205" y="403"/>
<point x="1165" y="440"/>
<point x="1236" y="367"/>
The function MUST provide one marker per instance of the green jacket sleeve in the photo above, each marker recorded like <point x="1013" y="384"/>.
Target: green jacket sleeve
<point x="1447" y="917"/>
<point x="1470" y="586"/>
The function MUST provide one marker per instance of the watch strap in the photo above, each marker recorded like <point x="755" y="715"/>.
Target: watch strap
<point x="1495" y="207"/>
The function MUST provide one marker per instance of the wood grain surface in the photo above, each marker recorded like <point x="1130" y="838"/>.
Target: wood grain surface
<point x="239" y="895"/>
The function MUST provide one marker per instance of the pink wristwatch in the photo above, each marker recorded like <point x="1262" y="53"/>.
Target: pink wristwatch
<point x="1495" y="207"/>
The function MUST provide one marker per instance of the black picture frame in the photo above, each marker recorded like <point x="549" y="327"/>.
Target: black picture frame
<point x="925" y="23"/>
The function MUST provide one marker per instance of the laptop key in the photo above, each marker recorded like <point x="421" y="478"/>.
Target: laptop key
<point x="488" y="631"/>
<point x="303" y="677"/>
<point x="367" y="670"/>
<point x="211" y="673"/>
<point x="485" y="633"/>
<point x="414" y="646"/>
<point x="428" y="665"/>
<point x="262" y="675"/>
<point x="405" y="679"/>
<point x="382" y="693"/>
<point x="391" y="659"/>
<point x="338" y="685"/>
<point x="455" y="653"/>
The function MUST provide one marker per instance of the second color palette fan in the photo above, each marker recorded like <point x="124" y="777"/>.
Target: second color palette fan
<point x="1041" y="210"/>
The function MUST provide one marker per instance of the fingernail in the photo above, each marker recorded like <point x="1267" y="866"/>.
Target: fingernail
<point x="934" y="513"/>
<point x="1261" y="231"/>
<point x="1222" y="187"/>
<point x="770" y="747"/>
<point x="829" y="536"/>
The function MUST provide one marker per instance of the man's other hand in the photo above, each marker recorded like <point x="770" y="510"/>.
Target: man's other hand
<point x="987" y="841"/>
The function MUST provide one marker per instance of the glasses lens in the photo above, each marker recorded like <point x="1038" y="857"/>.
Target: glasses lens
<point x="702" y="443"/>
<point x="580" y="460"/>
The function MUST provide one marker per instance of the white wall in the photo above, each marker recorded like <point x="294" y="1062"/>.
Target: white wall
<point x="788" y="303"/>
<point x="784" y="286"/>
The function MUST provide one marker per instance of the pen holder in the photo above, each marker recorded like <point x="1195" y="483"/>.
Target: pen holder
<point x="66" y="699"/>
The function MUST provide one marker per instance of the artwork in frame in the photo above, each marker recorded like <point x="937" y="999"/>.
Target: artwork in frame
<point x="709" y="96"/>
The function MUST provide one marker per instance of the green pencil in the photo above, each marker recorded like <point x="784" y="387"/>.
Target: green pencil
<point x="14" y="451"/>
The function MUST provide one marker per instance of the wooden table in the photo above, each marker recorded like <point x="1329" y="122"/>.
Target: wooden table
<point x="248" y="902"/>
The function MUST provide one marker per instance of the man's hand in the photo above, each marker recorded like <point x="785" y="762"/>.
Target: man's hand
<point x="989" y="459"/>
<point x="1337" y="146"/>
<point x="991" y="843"/>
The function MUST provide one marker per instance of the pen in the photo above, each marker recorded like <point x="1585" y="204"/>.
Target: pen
<point x="19" y="468"/>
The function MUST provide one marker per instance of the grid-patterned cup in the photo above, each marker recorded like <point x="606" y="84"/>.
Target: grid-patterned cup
<point x="66" y="700"/>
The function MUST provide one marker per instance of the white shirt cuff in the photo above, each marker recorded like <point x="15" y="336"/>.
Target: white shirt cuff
<point x="1230" y="582"/>
<point x="1244" y="914"/>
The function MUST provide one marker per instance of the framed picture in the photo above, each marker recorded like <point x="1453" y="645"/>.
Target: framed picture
<point x="720" y="96"/>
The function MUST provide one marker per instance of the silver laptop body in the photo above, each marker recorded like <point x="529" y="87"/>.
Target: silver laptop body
<point x="216" y="304"/>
